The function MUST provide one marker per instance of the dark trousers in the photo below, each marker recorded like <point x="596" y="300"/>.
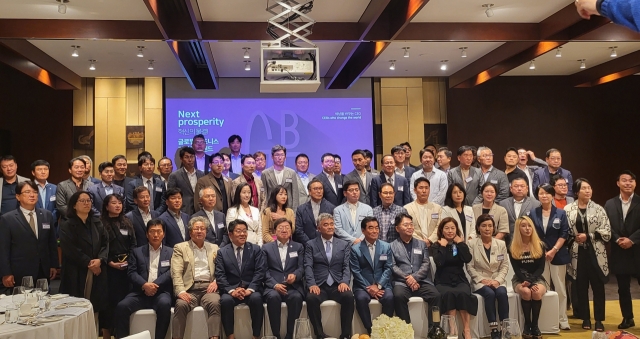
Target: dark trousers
<point x="227" y="303"/>
<point x="133" y="302"/>
<point x="401" y="295"/>
<point x="362" y="306"/>
<point x="624" y="295"/>
<point x="490" y="296"/>
<point x="273" y="299"/>
<point x="345" y="299"/>
<point x="588" y="275"/>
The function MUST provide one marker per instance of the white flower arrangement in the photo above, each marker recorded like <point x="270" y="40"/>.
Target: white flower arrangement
<point x="391" y="328"/>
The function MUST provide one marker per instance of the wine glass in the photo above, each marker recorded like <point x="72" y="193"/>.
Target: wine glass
<point x="27" y="283"/>
<point x="511" y="329"/>
<point x="42" y="287"/>
<point x="448" y="324"/>
<point x="302" y="329"/>
<point x="19" y="296"/>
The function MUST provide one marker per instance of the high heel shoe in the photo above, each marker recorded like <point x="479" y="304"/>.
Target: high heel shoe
<point x="599" y="326"/>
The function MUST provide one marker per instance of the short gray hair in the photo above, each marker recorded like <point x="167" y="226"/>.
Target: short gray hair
<point x="323" y="216"/>
<point x="483" y="148"/>
<point x="87" y="159"/>
<point x="200" y="194"/>
<point x="194" y="220"/>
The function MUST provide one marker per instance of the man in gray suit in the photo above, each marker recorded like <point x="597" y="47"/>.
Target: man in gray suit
<point x="360" y="175"/>
<point x="519" y="204"/>
<point x="488" y="173"/>
<point x="105" y="187"/>
<point x="349" y="215"/>
<point x="411" y="270"/>
<point x="278" y="174"/>
<point x="9" y="179"/>
<point x="465" y="174"/>
<point x="72" y="185"/>
<point x="327" y="272"/>
<point x="186" y="178"/>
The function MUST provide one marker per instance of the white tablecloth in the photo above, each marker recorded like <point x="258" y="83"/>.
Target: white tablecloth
<point x="78" y="327"/>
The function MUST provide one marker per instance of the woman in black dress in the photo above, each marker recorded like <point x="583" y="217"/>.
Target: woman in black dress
<point x="451" y="253"/>
<point x="121" y="241"/>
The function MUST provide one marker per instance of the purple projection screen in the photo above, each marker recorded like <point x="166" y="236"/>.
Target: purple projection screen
<point x="303" y="125"/>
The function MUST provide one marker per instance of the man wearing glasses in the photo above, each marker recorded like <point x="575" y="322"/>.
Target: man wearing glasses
<point x="348" y="216"/>
<point x="220" y="183"/>
<point x="560" y="185"/>
<point x="199" y="144"/>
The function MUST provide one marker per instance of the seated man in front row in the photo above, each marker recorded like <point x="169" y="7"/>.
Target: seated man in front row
<point x="411" y="270"/>
<point x="150" y="274"/>
<point x="240" y="270"/>
<point x="326" y="267"/>
<point x="371" y="265"/>
<point x="192" y="269"/>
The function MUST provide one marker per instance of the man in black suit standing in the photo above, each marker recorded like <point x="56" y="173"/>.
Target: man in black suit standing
<point x="399" y="154"/>
<point x="150" y="274"/>
<point x="235" y="144"/>
<point x="285" y="269"/>
<point x="399" y="182"/>
<point x="27" y="240"/>
<point x="174" y="219"/>
<point x="141" y="214"/>
<point x="331" y="183"/>
<point x="327" y="271"/>
<point x="120" y="177"/>
<point x="186" y="178"/>
<point x="217" y="233"/>
<point x="307" y="213"/>
<point x="101" y="189"/>
<point x="240" y="271"/>
<point x="202" y="160"/>
<point x="146" y="165"/>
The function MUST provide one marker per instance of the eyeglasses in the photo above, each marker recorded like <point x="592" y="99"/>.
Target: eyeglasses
<point x="283" y="227"/>
<point x="240" y="231"/>
<point x="84" y="201"/>
<point x="316" y="188"/>
<point x="29" y="192"/>
<point x="216" y="162"/>
<point x="198" y="229"/>
<point x="353" y="190"/>
<point x="407" y="224"/>
<point x="155" y="231"/>
<point x="387" y="193"/>
<point x="561" y="185"/>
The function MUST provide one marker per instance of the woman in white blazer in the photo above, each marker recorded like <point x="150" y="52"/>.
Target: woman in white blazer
<point x="243" y="211"/>
<point x="488" y="192"/>
<point x="455" y="208"/>
<point x="488" y="271"/>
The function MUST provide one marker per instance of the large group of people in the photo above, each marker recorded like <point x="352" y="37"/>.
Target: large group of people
<point x="222" y="230"/>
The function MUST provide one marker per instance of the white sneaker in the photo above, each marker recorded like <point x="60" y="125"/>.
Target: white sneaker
<point x="565" y="326"/>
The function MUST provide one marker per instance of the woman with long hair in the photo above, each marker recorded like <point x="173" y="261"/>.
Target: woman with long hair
<point x="454" y="207"/>
<point x="488" y="205"/>
<point x="242" y="210"/>
<point x="527" y="259"/>
<point x="276" y="209"/>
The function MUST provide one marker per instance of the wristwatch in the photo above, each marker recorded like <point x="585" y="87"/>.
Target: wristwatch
<point x="379" y="286"/>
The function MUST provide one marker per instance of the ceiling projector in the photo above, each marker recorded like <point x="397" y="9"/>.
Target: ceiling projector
<point x="288" y="69"/>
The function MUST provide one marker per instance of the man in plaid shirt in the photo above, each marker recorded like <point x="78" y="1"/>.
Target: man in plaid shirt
<point x="386" y="213"/>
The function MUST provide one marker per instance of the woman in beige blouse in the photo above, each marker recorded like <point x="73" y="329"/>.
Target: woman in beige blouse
<point x="276" y="209"/>
<point x="490" y="207"/>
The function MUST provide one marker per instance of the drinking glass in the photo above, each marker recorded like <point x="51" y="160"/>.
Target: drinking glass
<point x="27" y="283"/>
<point x="11" y="316"/>
<point x="44" y="304"/>
<point x="32" y="298"/>
<point x="42" y="285"/>
<point x="19" y="297"/>
<point x="511" y="329"/>
<point x="302" y="329"/>
<point x="448" y="324"/>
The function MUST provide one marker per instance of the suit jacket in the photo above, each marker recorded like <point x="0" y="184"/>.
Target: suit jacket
<point x="183" y="264"/>
<point x="173" y="235"/>
<point x="317" y="267"/>
<point x="416" y="263"/>
<point x="47" y="202"/>
<point x="480" y="267"/>
<point x="289" y="181"/>
<point x="159" y="189"/>
<point x="471" y="187"/>
<point x="598" y="223"/>
<point x="252" y="273"/>
<point x="498" y="178"/>
<point x="307" y="227"/>
<point x="217" y="231"/>
<point x="557" y="227"/>
<point x="430" y="230"/>
<point x="366" y="270"/>
<point x="303" y="186"/>
<point x="139" y="227"/>
<point x="262" y="197"/>
<point x="499" y="215"/>
<point x="294" y="264"/>
<point x="333" y="196"/>
<point x="139" y="265"/>
<point x="210" y="180"/>
<point x="21" y="252"/>
<point x="98" y="194"/>
<point x="527" y="205"/>
<point x="180" y="180"/>
<point x="364" y="186"/>
<point x="345" y="228"/>
<point x="624" y="261"/>
<point x="400" y="187"/>
<point x="207" y="161"/>
<point x="127" y="189"/>
<point x="470" y="221"/>
<point x="542" y="176"/>
<point x="408" y="172"/>
<point x="64" y="191"/>
<point x="254" y="222"/>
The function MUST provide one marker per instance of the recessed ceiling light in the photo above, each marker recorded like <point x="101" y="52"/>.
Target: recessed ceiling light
<point x="150" y="67"/>
<point x="62" y="8"/>
<point x="558" y="52"/>
<point x="532" y="66"/>
<point x="246" y="52"/>
<point x="443" y="65"/>
<point x="140" y="53"/>
<point x="247" y="66"/>
<point x="614" y="53"/>
<point x="92" y="65"/>
<point x="463" y="52"/>
<point x="583" y="65"/>
<point x="75" y="51"/>
<point x="406" y="52"/>
<point x="393" y="65"/>
<point x="489" y="10"/>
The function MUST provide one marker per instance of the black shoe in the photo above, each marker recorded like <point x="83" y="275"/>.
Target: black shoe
<point x="535" y="332"/>
<point x="599" y="326"/>
<point x="526" y="332"/>
<point x="495" y="334"/>
<point x="626" y="323"/>
<point x="586" y="324"/>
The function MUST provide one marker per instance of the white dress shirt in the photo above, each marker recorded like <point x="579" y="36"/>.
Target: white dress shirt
<point x="35" y="217"/>
<point x="201" y="266"/>
<point x="279" y="175"/>
<point x="282" y="249"/>
<point x="331" y="179"/>
<point x="180" y="223"/>
<point x="517" y="207"/>
<point x="625" y="206"/>
<point x="146" y="217"/>
<point x="154" y="263"/>
<point x="193" y="178"/>
<point x="354" y="210"/>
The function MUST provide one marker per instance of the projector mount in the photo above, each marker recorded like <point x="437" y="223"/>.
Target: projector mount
<point x="289" y="17"/>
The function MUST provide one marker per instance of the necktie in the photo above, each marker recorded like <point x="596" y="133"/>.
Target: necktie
<point x="390" y="180"/>
<point x="371" y="250"/>
<point x="150" y="188"/>
<point x="328" y="252"/>
<point x="239" y="257"/>
<point x="32" y="223"/>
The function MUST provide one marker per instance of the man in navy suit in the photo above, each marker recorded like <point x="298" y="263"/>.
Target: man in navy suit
<point x="28" y="244"/>
<point x="399" y="156"/>
<point x="103" y="188"/>
<point x="371" y="265"/>
<point x="285" y="269"/>
<point x="399" y="182"/>
<point x="217" y="232"/>
<point x="174" y="219"/>
<point x="240" y="271"/>
<point x="307" y="213"/>
<point x="554" y="162"/>
<point x="150" y="274"/>
<point x="141" y="214"/>
<point x="327" y="272"/>
<point x="46" y="190"/>
<point x="120" y="177"/>
<point x="152" y="182"/>
<point x="203" y="160"/>
<point x="332" y="184"/>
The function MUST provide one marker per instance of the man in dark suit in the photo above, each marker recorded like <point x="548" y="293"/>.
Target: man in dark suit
<point x="217" y="233"/>
<point x="400" y="184"/>
<point x="202" y="160"/>
<point x="411" y="270"/>
<point x="371" y="265"/>
<point x="141" y="214"/>
<point x="285" y="269"/>
<point x="120" y="177"/>
<point x="360" y="175"/>
<point x="307" y="213"/>
<point x="103" y="188"/>
<point x="624" y="215"/>
<point x="518" y="205"/>
<point x="398" y="154"/>
<point x="65" y="189"/>
<point x="554" y="162"/>
<point x="235" y="144"/>
<point x="150" y="274"/>
<point x="46" y="190"/>
<point x="327" y="272"/>
<point x="465" y="174"/>
<point x="186" y="178"/>
<point x="221" y="184"/>
<point x="153" y="183"/>
<point x="175" y="220"/>
<point x="332" y="184"/>
<point x="240" y="272"/>
<point x="28" y="244"/>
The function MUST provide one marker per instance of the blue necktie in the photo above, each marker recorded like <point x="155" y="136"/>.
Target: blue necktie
<point x="328" y="252"/>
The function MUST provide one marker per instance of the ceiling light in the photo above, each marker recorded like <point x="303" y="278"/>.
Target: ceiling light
<point x="443" y="65"/>
<point x="92" y="65"/>
<point x="247" y="66"/>
<point x="393" y="65"/>
<point x="489" y="10"/>
<point x="62" y="8"/>
<point x="463" y="52"/>
<point x="150" y="67"/>
<point x="583" y="65"/>
<point x="406" y="52"/>
<point x="75" y="51"/>
<point x="558" y="52"/>
<point x="613" y="51"/>
<point x="532" y="65"/>
<point x="246" y="52"/>
<point x="140" y="54"/>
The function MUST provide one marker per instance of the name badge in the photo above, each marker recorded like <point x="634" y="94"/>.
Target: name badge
<point x="468" y="179"/>
<point x="435" y="216"/>
<point x="46" y="226"/>
<point x="288" y="180"/>
<point x="220" y="225"/>
<point x="383" y="257"/>
<point x="124" y="232"/>
<point x="500" y="257"/>
<point x="556" y="220"/>
<point x="528" y="212"/>
<point x="495" y="182"/>
<point x="159" y="189"/>
<point x="401" y="188"/>
<point x="339" y="186"/>
<point x="53" y="198"/>
<point x="164" y="263"/>
<point x="293" y="254"/>
<point x="417" y="251"/>
<point x="261" y="189"/>
<point x="468" y="217"/>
